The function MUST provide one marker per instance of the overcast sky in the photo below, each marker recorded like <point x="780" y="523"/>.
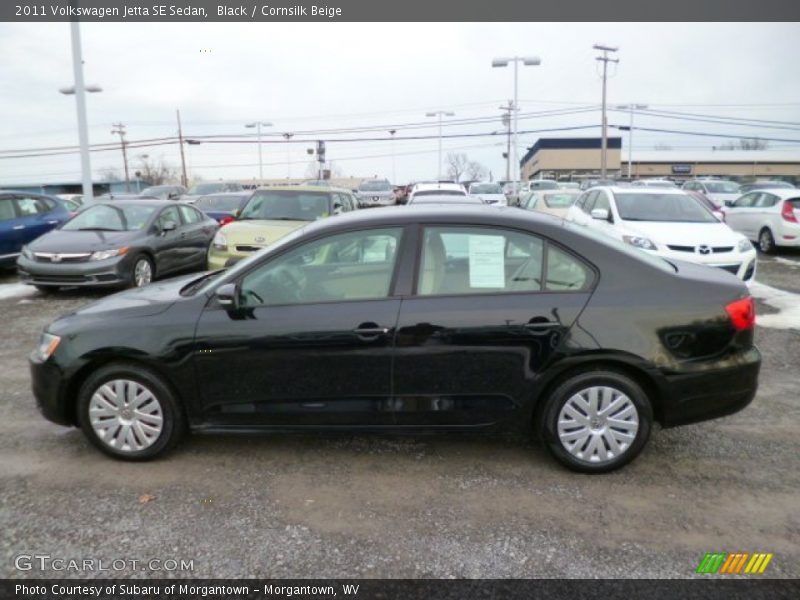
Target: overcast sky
<point x="311" y="76"/>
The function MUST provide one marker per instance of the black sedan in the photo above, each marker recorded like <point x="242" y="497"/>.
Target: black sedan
<point x="412" y="319"/>
<point x="119" y="243"/>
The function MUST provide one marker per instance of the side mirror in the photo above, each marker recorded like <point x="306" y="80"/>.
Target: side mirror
<point x="169" y="226"/>
<point x="729" y="203"/>
<point x="601" y="214"/>
<point x="227" y="295"/>
<point x="235" y="214"/>
<point x="337" y="208"/>
<point x="173" y="195"/>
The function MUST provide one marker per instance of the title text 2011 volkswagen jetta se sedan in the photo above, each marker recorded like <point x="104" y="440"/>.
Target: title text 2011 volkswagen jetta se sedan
<point x="409" y="319"/>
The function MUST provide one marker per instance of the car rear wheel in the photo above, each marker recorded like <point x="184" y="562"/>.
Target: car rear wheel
<point x="143" y="271"/>
<point x="766" y="242"/>
<point x="128" y="412"/>
<point x="596" y="421"/>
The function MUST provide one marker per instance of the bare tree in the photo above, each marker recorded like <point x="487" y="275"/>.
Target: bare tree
<point x="312" y="170"/>
<point x="156" y="172"/>
<point x="457" y="164"/>
<point x="110" y="174"/>
<point x="662" y="146"/>
<point x="744" y="144"/>
<point x="476" y="170"/>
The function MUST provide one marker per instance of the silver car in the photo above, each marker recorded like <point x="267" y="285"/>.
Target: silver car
<point x="375" y="192"/>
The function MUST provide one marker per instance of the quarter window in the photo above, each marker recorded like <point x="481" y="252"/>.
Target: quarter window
<point x="7" y="210"/>
<point x="565" y="272"/>
<point x="746" y="201"/>
<point x="31" y="206"/>
<point x="190" y="215"/>
<point x="349" y="266"/>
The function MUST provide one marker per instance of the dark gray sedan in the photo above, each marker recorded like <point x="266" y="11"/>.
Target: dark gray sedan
<point x="119" y="243"/>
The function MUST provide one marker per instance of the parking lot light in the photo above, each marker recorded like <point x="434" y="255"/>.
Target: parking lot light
<point x="440" y="114"/>
<point x="258" y="125"/>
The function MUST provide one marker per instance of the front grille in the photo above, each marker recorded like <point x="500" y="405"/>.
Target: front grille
<point x="54" y="257"/>
<point x="681" y="248"/>
<point x="64" y="279"/>
<point x="729" y="268"/>
<point x="248" y="248"/>
<point x="715" y="249"/>
<point x="721" y="249"/>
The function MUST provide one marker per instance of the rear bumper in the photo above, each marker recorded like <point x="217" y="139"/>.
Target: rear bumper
<point x="709" y="391"/>
<point x="373" y="203"/>
<point x="109" y="272"/>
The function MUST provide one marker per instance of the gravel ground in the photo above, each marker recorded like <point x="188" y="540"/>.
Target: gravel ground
<point x="424" y="506"/>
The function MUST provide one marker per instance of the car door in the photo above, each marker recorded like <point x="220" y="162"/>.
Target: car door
<point x="739" y="215"/>
<point x="763" y="213"/>
<point x="491" y="308"/>
<point x="311" y="340"/>
<point x="167" y="244"/>
<point x="9" y="239"/>
<point x="34" y="219"/>
<point x="195" y="235"/>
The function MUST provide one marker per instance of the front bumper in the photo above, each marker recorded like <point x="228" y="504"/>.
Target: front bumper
<point x="741" y="264"/>
<point x="221" y="259"/>
<point x="109" y="272"/>
<point x="708" y="391"/>
<point x="49" y="389"/>
<point x="373" y="202"/>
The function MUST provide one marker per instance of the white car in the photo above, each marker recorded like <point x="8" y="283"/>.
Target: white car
<point x="719" y="191"/>
<point x="436" y="189"/>
<point x="489" y="193"/>
<point x="769" y="217"/>
<point x="666" y="222"/>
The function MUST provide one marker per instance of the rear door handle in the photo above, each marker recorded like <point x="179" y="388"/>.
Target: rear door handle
<point x="18" y="227"/>
<point x="367" y="330"/>
<point x="52" y="222"/>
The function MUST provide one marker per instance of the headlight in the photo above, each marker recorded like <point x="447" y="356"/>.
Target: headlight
<point x="27" y="253"/>
<point x="47" y="345"/>
<point x="104" y="254"/>
<point x="744" y="245"/>
<point x="639" y="242"/>
<point x="220" y="241"/>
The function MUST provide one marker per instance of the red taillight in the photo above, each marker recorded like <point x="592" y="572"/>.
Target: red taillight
<point x="787" y="212"/>
<point x="742" y="313"/>
<point x="226" y="220"/>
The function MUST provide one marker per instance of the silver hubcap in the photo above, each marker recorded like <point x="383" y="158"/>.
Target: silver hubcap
<point x="126" y="415"/>
<point x="598" y="424"/>
<point x="142" y="272"/>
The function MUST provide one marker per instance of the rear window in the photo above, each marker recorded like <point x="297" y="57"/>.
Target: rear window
<point x="228" y="203"/>
<point x="795" y="202"/>
<point x="440" y="193"/>
<point x="559" y="200"/>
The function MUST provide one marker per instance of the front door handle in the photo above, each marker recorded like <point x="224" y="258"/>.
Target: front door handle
<point x="370" y="330"/>
<point x="52" y="222"/>
<point x="18" y="227"/>
<point x="541" y="324"/>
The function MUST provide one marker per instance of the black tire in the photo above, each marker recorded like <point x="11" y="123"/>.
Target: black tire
<point x="47" y="289"/>
<point x="564" y="391"/>
<point x="766" y="241"/>
<point x="137" y="259"/>
<point x="173" y="425"/>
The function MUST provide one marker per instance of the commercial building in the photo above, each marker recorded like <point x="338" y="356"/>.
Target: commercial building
<point x="579" y="158"/>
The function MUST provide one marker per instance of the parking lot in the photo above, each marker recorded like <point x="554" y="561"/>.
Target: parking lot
<point x="439" y="506"/>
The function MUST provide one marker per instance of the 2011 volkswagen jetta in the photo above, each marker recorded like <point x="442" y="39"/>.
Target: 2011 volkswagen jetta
<point x="410" y="319"/>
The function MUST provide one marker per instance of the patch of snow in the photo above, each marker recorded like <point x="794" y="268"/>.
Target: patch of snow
<point x="16" y="290"/>
<point x="787" y="303"/>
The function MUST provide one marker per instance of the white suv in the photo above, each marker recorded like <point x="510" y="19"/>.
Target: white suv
<point x="667" y="222"/>
<point x="770" y="217"/>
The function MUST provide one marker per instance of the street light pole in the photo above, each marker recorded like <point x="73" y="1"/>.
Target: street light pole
<point x="530" y="61"/>
<point x="394" y="176"/>
<point x="604" y="143"/>
<point x="631" y="108"/>
<point x="440" y="114"/>
<point x="80" y="100"/>
<point x="258" y="125"/>
<point x="288" y="136"/>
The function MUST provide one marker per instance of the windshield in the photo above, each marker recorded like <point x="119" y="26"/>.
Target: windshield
<point x="769" y="185"/>
<point x="227" y="203"/>
<point x="156" y="190"/>
<point x="722" y="187"/>
<point x="671" y="208"/>
<point x="287" y="206"/>
<point x="375" y="186"/>
<point x="562" y="200"/>
<point x="206" y="188"/>
<point x="446" y="198"/>
<point x="486" y="188"/>
<point x="632" y="251"/>
<point x="105" y="217"/>
<point x="543" y="184"/>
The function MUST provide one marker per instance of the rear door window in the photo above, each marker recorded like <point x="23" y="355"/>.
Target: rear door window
<point x="7" y="209"/>
<point x="29" y="206"/>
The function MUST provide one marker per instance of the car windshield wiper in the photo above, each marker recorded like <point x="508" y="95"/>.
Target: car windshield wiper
<point x="284" y="219"/>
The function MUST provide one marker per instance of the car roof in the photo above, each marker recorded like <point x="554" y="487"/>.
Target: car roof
<point x="655" y="191"/>
<point x="158" y="202"/>
<point x="226" y="194"/>
<point x="320" y="189"/>
<point x="782" y="193"/>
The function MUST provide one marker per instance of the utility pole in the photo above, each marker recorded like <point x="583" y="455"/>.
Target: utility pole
<point x="631" y="108"/>
<point x="507" y="110"/>
<point x="258" y="125"/>
<point x="120" y="130"/>
<point x="440" y="114"/>
<point x="184" y="179"/>
<point x="604" y="144"/>
<point x="288" y="136"/>
<point x="394" y="177"/>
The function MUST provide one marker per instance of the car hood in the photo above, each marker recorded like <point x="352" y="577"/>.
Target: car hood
<point x="683" y="234"/>
<point x="259" y="233"/>
<point x="64" y="242"/>
<point x="370" y="194"/>
<point x="139" y="302"/>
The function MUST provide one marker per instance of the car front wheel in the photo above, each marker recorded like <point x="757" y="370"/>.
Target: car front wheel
<point x="596" y="421"/>
<point x="143" y="271"/>
<point x="128" y="412"/>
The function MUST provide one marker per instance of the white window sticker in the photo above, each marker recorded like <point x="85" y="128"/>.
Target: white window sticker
<point x="487" y="268"/>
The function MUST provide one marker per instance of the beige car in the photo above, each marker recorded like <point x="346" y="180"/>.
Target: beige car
<point x="270" y="214"/>
<point x="552" y="202"/>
